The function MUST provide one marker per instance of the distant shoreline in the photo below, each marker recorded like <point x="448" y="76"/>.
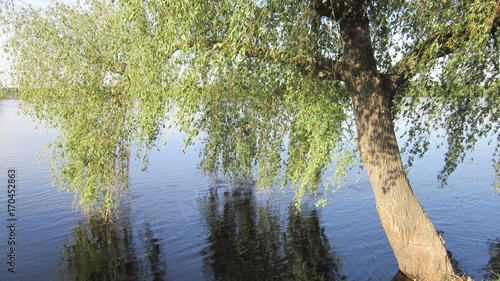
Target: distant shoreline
<point x="9" y="93"/>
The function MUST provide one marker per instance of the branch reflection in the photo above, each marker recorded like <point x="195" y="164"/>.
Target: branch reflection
<point x="105" y="251"/>
<point x="494" y="263"/>
<point x="251" y="241"/>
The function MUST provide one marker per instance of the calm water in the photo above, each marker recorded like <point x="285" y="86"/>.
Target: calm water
<point x="182" y="226"/>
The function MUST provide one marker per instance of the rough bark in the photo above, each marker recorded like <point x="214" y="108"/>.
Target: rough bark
<point x="419" y="249"/>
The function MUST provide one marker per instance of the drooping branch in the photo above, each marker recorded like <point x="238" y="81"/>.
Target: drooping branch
<point x="446" y="43"/>
<point x="404" y="69"/>
<point x="190" y="44"/>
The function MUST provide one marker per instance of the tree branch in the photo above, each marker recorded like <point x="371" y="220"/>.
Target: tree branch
<point x="495" y="18"/>
<point x="404" y="70"/>
<point x="327" y="69"/>
<point x="404" y="67"/>
<point x="321" y="8"/>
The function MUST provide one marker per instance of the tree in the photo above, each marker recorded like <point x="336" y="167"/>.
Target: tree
<point x="270" y="87"/>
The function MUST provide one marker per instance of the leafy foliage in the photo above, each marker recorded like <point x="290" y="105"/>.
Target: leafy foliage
<point x="251" y="79"/>
<point x="81" y="79"/>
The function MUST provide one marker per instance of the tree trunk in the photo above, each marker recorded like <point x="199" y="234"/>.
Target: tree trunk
<point x="419" y="249"/>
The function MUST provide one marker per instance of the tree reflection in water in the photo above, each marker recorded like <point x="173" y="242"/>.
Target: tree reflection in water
<point x="249" y="241"/>
<point x="494" y="263"/>
<point x="105" y="251"/>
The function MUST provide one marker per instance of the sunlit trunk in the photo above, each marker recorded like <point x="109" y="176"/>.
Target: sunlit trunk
<point x="419" y="249"/>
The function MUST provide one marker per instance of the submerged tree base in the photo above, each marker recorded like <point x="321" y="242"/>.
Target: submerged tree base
<point x="400" y="276"/>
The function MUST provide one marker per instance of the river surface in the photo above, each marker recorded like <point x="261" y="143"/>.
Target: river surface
<point x="182" y="225"/>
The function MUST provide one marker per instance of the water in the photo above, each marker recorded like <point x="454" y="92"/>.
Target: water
<point x="183" y="226"/>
